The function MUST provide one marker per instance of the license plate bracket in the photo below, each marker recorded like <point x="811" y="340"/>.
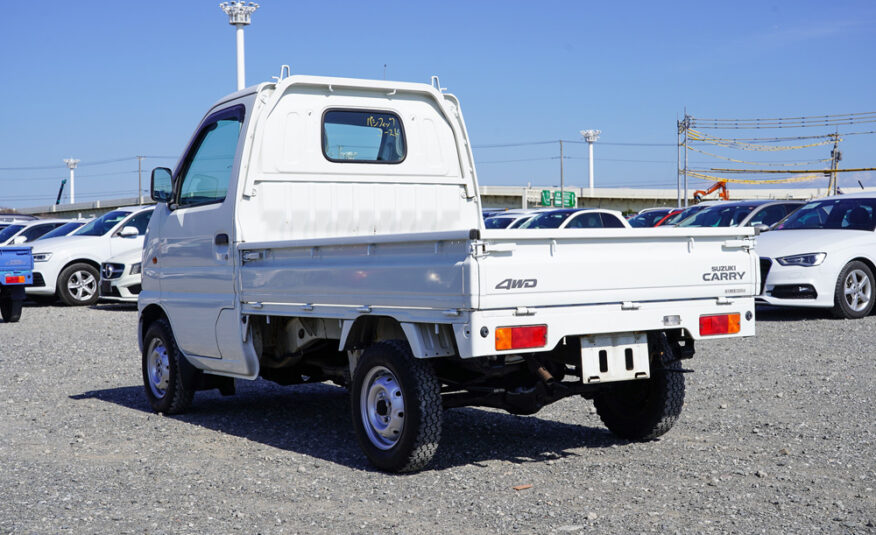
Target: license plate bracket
<point x="614" y="357"/>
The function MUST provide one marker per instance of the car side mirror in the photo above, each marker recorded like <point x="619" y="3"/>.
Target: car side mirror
<point x="161" y="189"/>
<point x="760" y="227"/>
<point x="129" y="232"/>
<point x="19" y="239"/>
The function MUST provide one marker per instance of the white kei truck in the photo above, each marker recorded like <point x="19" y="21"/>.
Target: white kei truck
<point x="329" y="229"/>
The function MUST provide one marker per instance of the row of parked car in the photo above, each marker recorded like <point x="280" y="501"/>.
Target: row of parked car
<point x="82" y="261"/>
<point x="820" y="253"/>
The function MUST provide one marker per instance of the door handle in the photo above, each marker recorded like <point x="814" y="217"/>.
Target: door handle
<point x="221" y="239"/>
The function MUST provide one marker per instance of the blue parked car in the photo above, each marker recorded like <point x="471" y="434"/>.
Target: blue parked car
<point x="16" y="272"/>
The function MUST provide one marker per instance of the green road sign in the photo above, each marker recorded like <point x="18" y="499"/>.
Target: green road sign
<point x="565" y="199"/>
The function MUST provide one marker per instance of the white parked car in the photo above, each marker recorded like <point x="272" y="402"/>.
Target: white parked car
<point x="577" y="218"/>
<point x="66" y="229"/>
<point x="69" y="266"/>
<point x="120" y="277"/>
<point x="28" y="231"/>
<point x="822" y="255"/>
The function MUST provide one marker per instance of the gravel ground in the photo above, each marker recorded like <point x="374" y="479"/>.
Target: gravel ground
<point x="778" y="435"/>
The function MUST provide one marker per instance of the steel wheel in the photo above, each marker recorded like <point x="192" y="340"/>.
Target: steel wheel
<point x="396" y="407"/>
<point x="857" y="290"/>
<point x="168" y="379"/>
<point x="157" y="368"/>
<point x="383" y="408"/>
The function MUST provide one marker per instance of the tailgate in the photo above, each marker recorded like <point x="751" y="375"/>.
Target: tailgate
<point x="15" y="259"/>
<point x="523" y="268"/>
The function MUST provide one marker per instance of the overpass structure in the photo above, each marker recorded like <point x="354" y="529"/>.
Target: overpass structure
<point x="623" y="199"/>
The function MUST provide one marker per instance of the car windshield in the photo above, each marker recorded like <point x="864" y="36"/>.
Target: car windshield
<point x="102" y="224"/>
<point x="547" y="220"/>
<point x="850" y="214"/>
<point x="718" y="216"/>
<point x="63" y="230"/>
<point x="9" y="232"/>
<point x="498" y="222"/>
<point x="520" y="222"/>
<point x="647" y="219"/>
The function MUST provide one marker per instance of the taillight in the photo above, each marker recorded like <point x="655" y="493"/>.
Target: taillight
<point x="17" y="279"/>
<point x="719" y="324"/>
<point x="521" y="337"/>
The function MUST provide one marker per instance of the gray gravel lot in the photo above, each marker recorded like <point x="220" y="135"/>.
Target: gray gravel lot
<point x="778" y="435"/>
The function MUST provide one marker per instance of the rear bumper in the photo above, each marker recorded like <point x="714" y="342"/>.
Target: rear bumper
<point x="477" y="338"/>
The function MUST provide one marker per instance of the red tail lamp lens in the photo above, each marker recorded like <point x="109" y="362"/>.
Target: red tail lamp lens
<point x="719" y="324"/>
<point x="521" y="337"/>
<point x="15" y="279"/>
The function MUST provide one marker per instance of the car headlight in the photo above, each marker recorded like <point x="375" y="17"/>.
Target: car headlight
<point x="41" y="257"/>
<point x="806" y="260"/>
<point x="135" y="269"/>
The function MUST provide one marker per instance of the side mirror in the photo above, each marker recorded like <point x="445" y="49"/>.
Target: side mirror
<point x="760" y="227"/>
<point x="129" y="232"/>
<point x="19" y="239"/>
<point x="161" y="189"/>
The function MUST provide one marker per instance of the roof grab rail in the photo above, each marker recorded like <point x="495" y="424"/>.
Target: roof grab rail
<point x="285" y="72"/>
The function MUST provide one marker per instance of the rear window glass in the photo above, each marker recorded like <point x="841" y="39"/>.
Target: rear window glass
<point x="363" y="136"/>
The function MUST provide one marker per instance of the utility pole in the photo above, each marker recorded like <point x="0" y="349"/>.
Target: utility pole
<point x="239" y="14"/>
<point x="71" y="165"/>
<point x="562" y="183"/>
<point x="686" y="128"/>
<point x="678" y="161"/>
<point x="140" y="179"/>
<point x="835" y="157"/>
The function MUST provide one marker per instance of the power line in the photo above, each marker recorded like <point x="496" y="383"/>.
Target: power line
<point x="786" y="122"/>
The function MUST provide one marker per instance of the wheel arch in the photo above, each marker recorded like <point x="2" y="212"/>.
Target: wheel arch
<point x="148" y="316"/>
<point x="426" y="340"/>
<point x="366" y="330"/>
<point x="91" y="262"/>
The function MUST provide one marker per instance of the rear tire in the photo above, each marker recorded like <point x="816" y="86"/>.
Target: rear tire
<point x="78" y="284"/>
<point x="168" y="377"/>
<point x="396" y="406"/>
<point x="10" y="309"/>
<point x="853" y="294"/>
<point x="644" y="409"/>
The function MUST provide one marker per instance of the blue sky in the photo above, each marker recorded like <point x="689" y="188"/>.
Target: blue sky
<point x="103" y="81"/>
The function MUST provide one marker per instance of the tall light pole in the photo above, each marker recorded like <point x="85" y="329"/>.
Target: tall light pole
<point x="239" y="16"/>
<point x="71" y="164"/>
<point x="590" y="136"/>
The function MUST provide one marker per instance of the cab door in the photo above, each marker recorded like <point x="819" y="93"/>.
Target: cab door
<point x="194" y="262"/>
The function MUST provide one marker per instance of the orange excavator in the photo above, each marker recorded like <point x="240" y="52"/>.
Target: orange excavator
<point x="723" y="194"/>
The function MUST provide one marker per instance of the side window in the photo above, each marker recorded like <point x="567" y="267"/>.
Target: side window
<point x="610" y="221"/>
<point x="362" y="136"/>
<point x="768" y="216"/>
<point x="587" y="220"/>
<point x="207" y="169"/>
<point x="36" y="231"/>
<point x="140" y="221"/>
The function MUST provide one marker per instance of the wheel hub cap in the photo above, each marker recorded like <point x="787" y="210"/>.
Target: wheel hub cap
<point x="382" y="407"/>
<point x="158" y="368"/>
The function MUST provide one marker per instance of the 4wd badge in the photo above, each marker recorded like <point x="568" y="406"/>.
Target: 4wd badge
<point x="513" y="284"/>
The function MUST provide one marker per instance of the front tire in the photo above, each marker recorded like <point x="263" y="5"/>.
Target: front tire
<point x="168" y="378"/>
<point x="77" y="284"/>
<point x="644" y="409"/>
<point x="396" y="406"/>
<point x="853" y="294"/>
